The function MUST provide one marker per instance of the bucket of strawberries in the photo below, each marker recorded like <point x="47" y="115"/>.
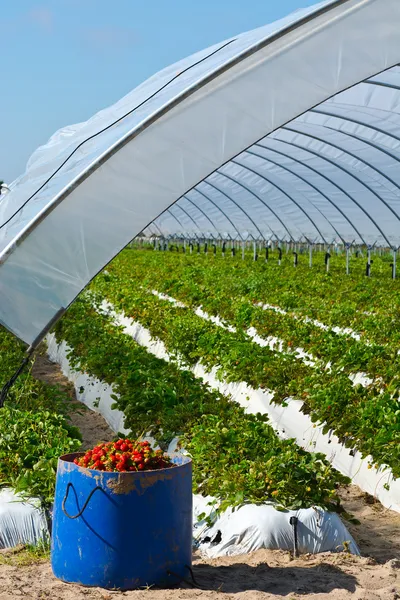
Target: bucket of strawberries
<point x="122" y="516"/>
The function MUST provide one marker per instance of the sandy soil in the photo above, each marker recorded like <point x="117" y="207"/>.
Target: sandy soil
<point x="378" y="534"/>
<point x="262" y="575"/>
<point x="92" y="425"/>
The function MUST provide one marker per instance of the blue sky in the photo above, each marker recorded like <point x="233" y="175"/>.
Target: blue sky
<point x="63" y="60"/>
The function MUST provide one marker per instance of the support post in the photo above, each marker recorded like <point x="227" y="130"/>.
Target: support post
<point x="327" y="260"/>
<point x="394" y="263"/>
<point x="369" y="262"/>
<point x="279" y="256"/>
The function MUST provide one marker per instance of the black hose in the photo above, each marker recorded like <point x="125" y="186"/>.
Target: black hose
<point x="7" y="386"/>
<point x="294" y="523"/>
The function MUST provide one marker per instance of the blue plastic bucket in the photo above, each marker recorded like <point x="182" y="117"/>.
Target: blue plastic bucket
<point x="122" y="530"/>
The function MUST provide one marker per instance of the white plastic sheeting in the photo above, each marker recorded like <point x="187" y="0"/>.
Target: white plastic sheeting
<point x="90" y="391"/>
<point x="251" y="528"/>
<point x="330" y="175"/>
<point x="96" y="185"/>
<point x="20" y="522"/>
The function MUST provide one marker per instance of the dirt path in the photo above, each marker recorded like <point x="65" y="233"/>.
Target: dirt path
<point x="262" y="575"/>
<point x="92" y="425"/>
<point x="378" y="534"/>
<point x="259" y="576"/>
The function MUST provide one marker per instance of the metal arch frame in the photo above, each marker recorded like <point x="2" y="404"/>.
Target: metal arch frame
<point x="353" y="135"/>
<point x="174" y="216"/>
<point x="351" y="120"/>
<point x="323" y="112"/>
<point x="168" y="211"/>
<point x="159" y="228"/>
<point x="338" y="187"/>
<point x="152" y="232"/>
<point x="307" y="182"/>
<point x="235" y="203"/>
<point x="239" y="183"/>
<point x="303" y="164"/>
<point x="184" y="197"/>
<point x="365" y="141"/>
<point x="253" y="153"/>
<point x="357" y="158"/>
<point x="217" y="207"/>
<point x="287" y="196"/>
<point x="195" y="189"/>
<point x="176" y="205"/>
<point x="382" y="83"/>
<point x="340" y="168"/>
<point x="218" y="172"/>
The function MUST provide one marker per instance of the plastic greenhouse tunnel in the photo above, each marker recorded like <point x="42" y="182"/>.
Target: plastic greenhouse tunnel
<point x="288" y="133"/>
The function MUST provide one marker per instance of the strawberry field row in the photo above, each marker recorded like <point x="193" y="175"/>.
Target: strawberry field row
<point x="366" y="419"/>
<point x="376" y="359"/>
<point x="334" y="299"/>
<point x="157" y="396"/>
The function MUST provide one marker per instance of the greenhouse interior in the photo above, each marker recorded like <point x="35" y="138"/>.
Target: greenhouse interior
<point x="212" y="264"/>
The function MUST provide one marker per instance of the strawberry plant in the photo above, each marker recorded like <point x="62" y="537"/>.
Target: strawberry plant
<point x="34" y="428"/>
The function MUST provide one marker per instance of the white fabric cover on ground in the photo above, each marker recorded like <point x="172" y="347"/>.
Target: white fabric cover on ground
<point x="20" y="522"/>
<point x="252" y="527"/>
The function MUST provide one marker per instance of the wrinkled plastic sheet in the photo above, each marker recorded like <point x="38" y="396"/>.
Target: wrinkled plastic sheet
<point x="252" y="527"/>
<point x="21" y="522"/>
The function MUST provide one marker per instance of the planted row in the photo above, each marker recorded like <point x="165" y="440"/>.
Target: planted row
<point x="364" y="418"/>
<point x="236" y="456"/>
<point x="334" y="299"/>
<point x="377" y="360"/>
